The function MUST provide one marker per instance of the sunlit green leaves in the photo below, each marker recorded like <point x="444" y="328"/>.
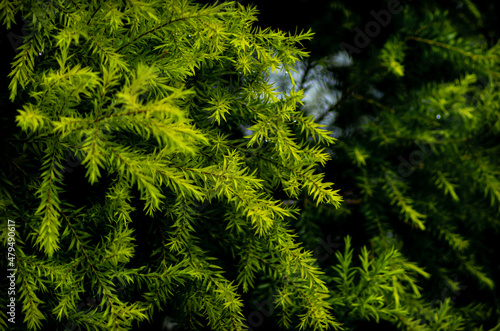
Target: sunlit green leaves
<point x="31" y="119"/>
<point x="146" y="97"/>
<point x="379" y="283"/>
<point x="49" y="208"/>
<point x="392" y="56"/>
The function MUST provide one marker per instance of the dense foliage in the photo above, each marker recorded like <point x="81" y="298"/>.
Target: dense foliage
<point x="159" y="179"/>
<point x="143" y="101"/>
<point x="411" y="92"/>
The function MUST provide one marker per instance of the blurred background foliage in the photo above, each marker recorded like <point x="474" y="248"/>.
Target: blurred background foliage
<point x="416" y="113"/>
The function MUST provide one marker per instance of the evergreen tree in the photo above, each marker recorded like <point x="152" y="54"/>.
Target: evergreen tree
<point x="156" y="175"/>
<point x="127" y="174"/>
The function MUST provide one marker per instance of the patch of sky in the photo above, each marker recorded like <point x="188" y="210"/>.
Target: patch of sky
<point x="317" y="82"/>
<point x="318" y="85"/>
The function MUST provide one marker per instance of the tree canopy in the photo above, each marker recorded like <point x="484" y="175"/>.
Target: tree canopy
<point x="160" y="177"/>
<point x="178" y="214"/>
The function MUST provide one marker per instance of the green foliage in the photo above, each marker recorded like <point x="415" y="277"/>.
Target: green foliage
<point x="150" y="98"/>
<point x="380" y="287"/>
<point x="417" y="124"/>
<point x="156" y="173"/>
